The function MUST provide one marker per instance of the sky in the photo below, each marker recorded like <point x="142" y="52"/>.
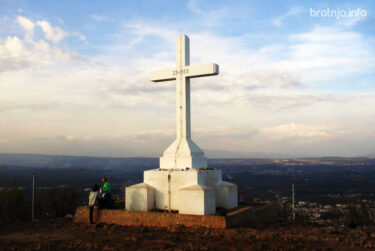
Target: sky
<point x="297" y="78"/>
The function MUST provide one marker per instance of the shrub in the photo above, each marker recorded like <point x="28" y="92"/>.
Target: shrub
<point x="60" y="201"/>
<point x="12" y="205"/>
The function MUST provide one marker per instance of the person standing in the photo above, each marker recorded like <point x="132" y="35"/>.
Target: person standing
<point x="106" y="193"/>
<point x="94" y="198"/>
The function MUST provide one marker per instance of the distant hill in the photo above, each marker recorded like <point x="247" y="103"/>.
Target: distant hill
<point x="57" y="161"/>
<point x="243" y="155"/>
<point x="110" y="163"/>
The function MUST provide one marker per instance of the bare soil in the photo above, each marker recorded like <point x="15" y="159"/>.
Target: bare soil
<point x="62" y="234"/>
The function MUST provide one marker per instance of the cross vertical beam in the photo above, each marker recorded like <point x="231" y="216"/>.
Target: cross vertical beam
<point x="182" y="88"/>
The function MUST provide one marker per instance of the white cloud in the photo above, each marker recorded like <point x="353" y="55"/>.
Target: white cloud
<point x="326" y="53"/>
<point x="351" y="21"/>
<point x="54" y="34"/>
<point x="51" y="33"/>
<point x="296" y="130"/>
<point x="81" y="37"/>
<point x="27" y="25"/>
<point x="12" y="52"/>
<point x="98" y="18"/>
<point x="212" y="17"/>
<point x="17" y="54"/>
<point x="278" y="21"/>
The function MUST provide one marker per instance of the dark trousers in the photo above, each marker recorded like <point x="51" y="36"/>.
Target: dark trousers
<point x="106" y="201"/>
<point x="91" y="214"/>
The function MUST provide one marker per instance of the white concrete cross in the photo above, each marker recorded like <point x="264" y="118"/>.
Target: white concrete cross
<point x="182" y="74"/>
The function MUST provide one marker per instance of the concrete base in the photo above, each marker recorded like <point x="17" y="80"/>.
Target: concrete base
<point x="188" y="191"/>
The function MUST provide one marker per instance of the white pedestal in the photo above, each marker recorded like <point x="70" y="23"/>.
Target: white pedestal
<point x="226" y="195"/>
<point x="190" y="191"/>
<point x="167" y="184"/>
<point x="197" y="199"/>
<point x="139" y="197"/>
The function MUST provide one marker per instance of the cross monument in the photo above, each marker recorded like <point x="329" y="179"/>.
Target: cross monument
<point x="182" y="183"/>
<point x="183" y="152"/>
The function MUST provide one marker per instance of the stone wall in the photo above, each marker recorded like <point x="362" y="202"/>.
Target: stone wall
<point x="241" y="216"/>
<point x="149" y="219"/>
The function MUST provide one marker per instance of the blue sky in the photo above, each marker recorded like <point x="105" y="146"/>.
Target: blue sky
<point x="74" y="77"/>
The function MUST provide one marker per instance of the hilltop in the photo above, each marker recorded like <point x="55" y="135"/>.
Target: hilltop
<point x="62" y="234"/>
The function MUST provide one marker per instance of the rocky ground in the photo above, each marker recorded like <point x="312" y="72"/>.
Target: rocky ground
<point x="62" y="234"/>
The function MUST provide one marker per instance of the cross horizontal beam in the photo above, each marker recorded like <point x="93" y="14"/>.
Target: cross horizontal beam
<point x="192" y="71"/>
<point x="202" y="70"/>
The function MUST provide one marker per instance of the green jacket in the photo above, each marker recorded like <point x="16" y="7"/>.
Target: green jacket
<point x="106" y="187"/>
